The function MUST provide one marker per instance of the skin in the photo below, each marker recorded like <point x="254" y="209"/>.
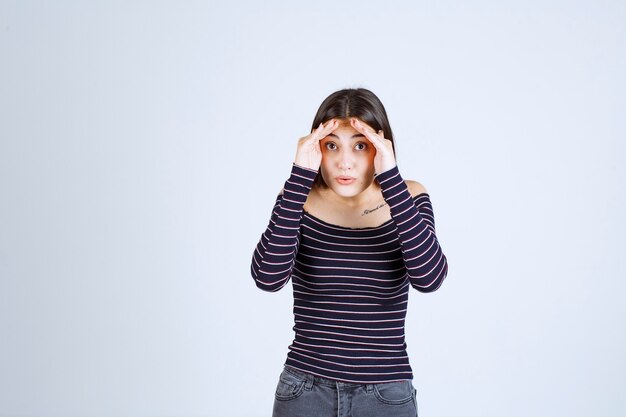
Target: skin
<point x="348" y="147"/>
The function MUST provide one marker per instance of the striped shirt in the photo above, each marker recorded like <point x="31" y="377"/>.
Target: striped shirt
<point x="350" y="285"/>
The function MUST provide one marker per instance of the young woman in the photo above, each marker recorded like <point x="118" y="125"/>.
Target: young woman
<point x="352" y="236"/>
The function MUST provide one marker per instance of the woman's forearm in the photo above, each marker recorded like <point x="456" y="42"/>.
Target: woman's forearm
<point x="425" y="261"/>
<point x="275" y="254"/>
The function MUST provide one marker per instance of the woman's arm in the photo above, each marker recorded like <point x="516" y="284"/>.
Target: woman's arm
<point x="276" y="251"/>
<point x="425" y="262"/>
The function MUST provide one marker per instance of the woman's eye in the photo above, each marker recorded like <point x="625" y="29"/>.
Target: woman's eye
<point x="360" y="146"/>
<point x="331" y="146"/>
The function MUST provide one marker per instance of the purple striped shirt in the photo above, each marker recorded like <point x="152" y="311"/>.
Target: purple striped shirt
<point x="350" y="285"/>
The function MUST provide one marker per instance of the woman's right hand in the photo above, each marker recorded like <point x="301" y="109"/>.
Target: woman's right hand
<point x="309" y="153"/>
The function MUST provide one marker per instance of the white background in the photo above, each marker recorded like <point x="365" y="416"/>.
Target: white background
<point x="143" y="145"/>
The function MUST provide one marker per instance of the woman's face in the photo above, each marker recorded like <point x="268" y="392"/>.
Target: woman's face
<point x="347" y="160"/>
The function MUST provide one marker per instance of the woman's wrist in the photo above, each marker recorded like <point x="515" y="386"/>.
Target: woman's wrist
<point x="303" y="167"/>
<point x="387" y="171"/>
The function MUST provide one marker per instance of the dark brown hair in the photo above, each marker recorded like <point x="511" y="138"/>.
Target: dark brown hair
<point x="353" y="102"/>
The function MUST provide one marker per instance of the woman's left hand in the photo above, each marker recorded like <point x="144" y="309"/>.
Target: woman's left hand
<point x="384" y="159"/>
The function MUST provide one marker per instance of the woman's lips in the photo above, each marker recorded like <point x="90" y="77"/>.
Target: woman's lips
<point x="345" y="180"/>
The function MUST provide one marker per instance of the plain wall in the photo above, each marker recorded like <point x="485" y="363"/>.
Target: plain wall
<point x="142" y="145"/>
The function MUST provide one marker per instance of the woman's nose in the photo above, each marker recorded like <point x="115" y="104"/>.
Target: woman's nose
<point x="345" y="160"/>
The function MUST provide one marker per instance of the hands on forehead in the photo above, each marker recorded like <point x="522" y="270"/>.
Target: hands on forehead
<point x="384" y="159"/>
<point x="309" y="153"/>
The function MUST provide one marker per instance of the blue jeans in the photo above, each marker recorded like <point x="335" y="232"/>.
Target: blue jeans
<point x="301" y="394"/>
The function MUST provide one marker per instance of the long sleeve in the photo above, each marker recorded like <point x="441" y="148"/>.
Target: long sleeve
<point x="425" y="262"/>
<point x="275" y="254"/>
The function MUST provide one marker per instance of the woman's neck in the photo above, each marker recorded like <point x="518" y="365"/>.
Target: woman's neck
<point x="364" y="199"/>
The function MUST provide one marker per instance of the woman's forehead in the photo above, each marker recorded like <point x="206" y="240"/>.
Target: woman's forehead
<point x="345" y="133"/>
<point x="345" y="123"/>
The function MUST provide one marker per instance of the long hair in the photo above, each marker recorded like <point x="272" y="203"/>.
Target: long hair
<point x="360" y="103"/>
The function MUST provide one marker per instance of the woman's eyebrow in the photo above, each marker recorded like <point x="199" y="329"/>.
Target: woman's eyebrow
<point x="356" y="135"/>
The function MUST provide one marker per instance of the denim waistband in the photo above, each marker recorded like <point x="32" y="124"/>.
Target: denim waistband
<point x="318" y="380"/>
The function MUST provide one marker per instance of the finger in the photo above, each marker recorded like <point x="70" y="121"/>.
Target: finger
<point x="368" y="132"/>
<point x="362" y="127"/>
<point x="332" y="124"/>
<point x="317" y="129"/>
<point x="326" y="129"/>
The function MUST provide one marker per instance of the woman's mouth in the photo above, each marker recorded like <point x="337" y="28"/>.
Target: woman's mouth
<point x="344" y="180"/>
